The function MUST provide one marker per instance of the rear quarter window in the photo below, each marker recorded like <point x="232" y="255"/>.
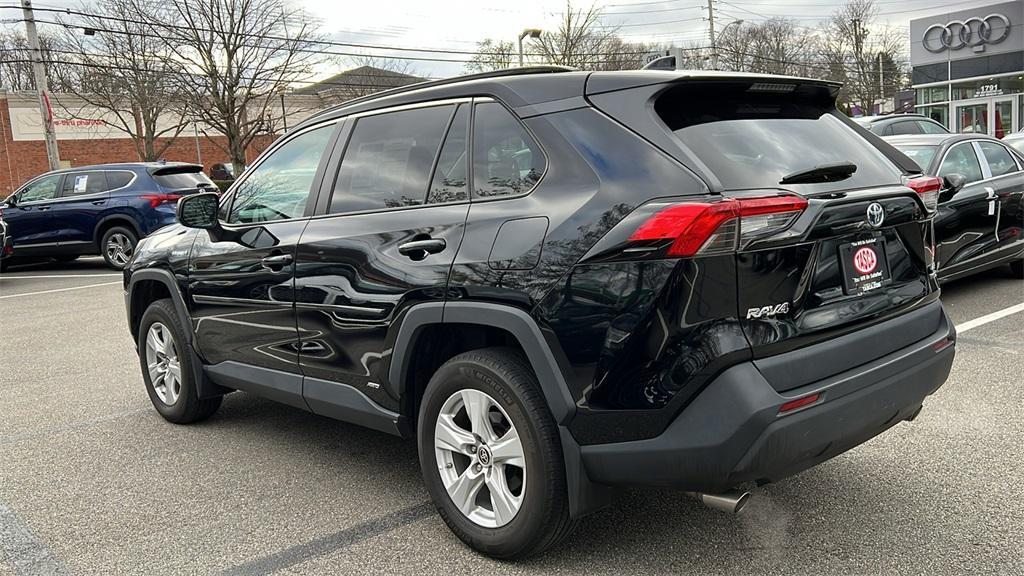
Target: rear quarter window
<point x="754" y="139"/>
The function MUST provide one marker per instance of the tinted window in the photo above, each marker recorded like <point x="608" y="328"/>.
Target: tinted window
<point x="278" y="188"/>
<point x="961" y="159"/>
<point x="84" y="183"/>
<point x="931" y="127"/>
<point x="118" y="179"/>
<point x="754" y="140"/>
<point x="999" y="159"/>
<point x="921" y="154"/>
<point x="43" y="189"/>
<point x="905" y="127"/>
<point x="186" y="179"/>
<point x="506" y="160"/>
<point x="388" y="159"/>
<point x="449" y="181"/>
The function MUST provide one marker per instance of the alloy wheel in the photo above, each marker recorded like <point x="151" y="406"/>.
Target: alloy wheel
<point x="119" y="249"/>
<point x="163" y="364"/>
<point x="480" y="457"/>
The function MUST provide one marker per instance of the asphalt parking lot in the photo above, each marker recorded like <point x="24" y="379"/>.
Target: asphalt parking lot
<point x="93" y="481"/>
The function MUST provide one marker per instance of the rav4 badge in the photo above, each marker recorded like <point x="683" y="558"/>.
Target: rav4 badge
<point x="768" y="311"/>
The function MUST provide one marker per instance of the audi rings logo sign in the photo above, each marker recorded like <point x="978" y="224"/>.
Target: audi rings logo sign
<point x="973" y="32"/>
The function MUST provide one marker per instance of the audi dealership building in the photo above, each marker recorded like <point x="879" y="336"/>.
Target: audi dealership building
<point x="968" y="68"/>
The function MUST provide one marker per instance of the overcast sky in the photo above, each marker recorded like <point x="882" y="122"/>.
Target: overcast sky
<point x="458" y="24"/>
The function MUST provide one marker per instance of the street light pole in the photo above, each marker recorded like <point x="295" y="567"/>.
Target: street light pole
<point x="532" y="33"/>
<point x="42" y="90"/>
<point x="284" y="111"/>
<point x="714" y="44"/>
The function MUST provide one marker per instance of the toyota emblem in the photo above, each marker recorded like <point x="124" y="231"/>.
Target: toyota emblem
<point x="973" y="32"/>
<point x="875" y="215"/>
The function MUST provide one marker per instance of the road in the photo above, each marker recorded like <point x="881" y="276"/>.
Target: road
<point x="93" y="481"/>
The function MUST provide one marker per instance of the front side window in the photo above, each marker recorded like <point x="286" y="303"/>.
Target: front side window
<point x="1000" y="161"/>
<point x="78" y="183"/>
<point x="388" y="159"/>
<point x="279" y="187"/>
<point x="43" y="189"/>
<point x="506" y="159"/>
<point x="961" y="159"/>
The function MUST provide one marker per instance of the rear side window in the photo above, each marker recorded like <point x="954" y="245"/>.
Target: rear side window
<point x="961" y="159"/>
<point x="449" y="181"/>
<point x="76" y="183"/>
<point x="506" y="159"/>
<point x="999" y="160"/>
<point x="905" y="127"/>
<point x="118" y="179"/>
<point x="189" y="178"/>
<point x="388" y="159"/>
<point x="755" y="139"/>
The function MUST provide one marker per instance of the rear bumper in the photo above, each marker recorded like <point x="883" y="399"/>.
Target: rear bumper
<point x="732" y="433"/>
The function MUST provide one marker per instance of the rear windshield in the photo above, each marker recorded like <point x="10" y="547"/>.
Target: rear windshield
<point x="755" y="139"/>
<point x="178" y="180"/>
<point x="918" y="153"/>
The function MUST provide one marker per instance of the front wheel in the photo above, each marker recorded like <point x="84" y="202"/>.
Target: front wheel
<point x="490" y="455"/>
<point x="167" y="367"/>
<point x="118" y="245"/>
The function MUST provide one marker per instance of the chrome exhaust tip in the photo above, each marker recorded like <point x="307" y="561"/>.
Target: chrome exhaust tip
<point x="732" y="501"/>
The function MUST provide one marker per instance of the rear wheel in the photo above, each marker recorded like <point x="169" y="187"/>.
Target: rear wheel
<point x="490" y="455"/>
<point x="1017" y="268"/>
<point x="118" y="245"/>
<point x="167" y="367"/>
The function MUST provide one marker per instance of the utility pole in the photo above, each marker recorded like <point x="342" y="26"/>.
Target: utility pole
<point x="711" y="34"/>
<point x="42" y="90"/>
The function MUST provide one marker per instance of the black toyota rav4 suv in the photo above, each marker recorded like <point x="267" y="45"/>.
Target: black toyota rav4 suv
<point x="561" y="283"/>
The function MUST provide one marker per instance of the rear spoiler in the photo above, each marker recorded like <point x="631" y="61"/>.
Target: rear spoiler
<point x="601" y="82"/>
<point x="176" y="168"/>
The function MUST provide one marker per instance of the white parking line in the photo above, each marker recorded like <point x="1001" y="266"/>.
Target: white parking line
<point x="972" y="324"/>
<point x="58" y="290"/>
<point x="42" y="276"/>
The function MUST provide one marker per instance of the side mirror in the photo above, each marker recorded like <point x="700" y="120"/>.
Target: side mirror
<point x="12" y="200"/>
<point x="953" y="183"/>
<point x="199" y="211"/>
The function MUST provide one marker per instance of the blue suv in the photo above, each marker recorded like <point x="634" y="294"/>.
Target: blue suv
<point x="103" y="209"/>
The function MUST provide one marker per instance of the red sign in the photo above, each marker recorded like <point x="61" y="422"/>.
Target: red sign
<point x="865" y="260"/>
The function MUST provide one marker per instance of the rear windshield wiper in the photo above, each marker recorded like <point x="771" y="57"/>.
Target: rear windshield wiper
<point x="821" y="173"/>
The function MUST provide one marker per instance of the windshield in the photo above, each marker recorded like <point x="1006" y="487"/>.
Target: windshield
<point x="753" y="140"/>
<point x="918" y="153"/>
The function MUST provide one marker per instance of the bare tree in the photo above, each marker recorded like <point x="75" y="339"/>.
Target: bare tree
<point x="16" y="62"/>
<point x="852" y="45"/>
<point x="579" y="41"/>
<point x="125" y="73"/>
<point x="493" y="55"/>
<point x="776" y="46"/>
<point x="236" y="57"/>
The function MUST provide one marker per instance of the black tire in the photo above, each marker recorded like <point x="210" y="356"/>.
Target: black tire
<point x="187" y="408"/>
<point x="66" y="258"/>
<point x="1017" y="269"/>
<point x="543" y="517"/>
<point x="118" y="232"/>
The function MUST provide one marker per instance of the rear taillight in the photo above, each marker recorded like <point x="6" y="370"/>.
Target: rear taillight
<point x="703" y="228"/>
<point x="158" y="199"/>
<point x="928" y="188"/>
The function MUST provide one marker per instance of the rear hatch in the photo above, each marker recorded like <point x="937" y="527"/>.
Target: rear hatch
<point x="829" y="236"/>
<point x="182" y="179"/>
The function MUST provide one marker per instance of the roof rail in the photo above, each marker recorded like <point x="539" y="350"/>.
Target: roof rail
<point x="522" y="71"/>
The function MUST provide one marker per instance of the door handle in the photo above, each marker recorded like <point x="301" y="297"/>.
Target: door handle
<point x="98" y="202"/>
<point x="44" y="208"/>
<point x="418" y="249"/>
<point x="276" y="263"/>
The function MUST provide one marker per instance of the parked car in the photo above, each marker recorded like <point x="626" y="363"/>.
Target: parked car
<point x="222" y="171"/>
<point x="562" y="283"/>
<point x="896" y="124"/>
<point x="102" y="209"/>
<point x="1016" y="141"/>
<point x="980" y="221"/>
<point x="6" y="250"/>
